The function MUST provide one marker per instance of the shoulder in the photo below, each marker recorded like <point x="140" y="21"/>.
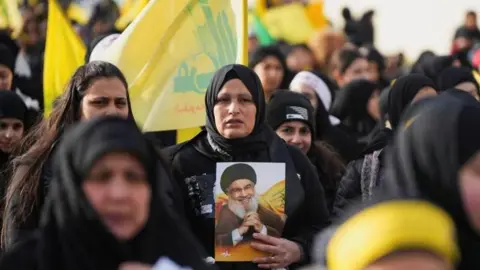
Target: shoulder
<point x="172" y="152"/>
<point x="300" y="160"/>
<point x="296" y="154"/>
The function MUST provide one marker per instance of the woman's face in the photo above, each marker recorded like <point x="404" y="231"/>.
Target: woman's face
<point x="470" y="189"/>
<point x="424" y="92"/>
<point x="6" y="78"/>
<point x="300" y="59"/>
<point x="357" y="70"/>
<point x="308" y="92"/>
<point x="296" y="133"/>
<point x="270" y="71"/>
<point x="106" y="96"/>
<point x="11" y="132"/>
<point x="470" y="88"/>
<point x="373" y="107"/>
<point x="234" y="110"/>
<point x="118" y="189"/>
<point x="410" y="260"/>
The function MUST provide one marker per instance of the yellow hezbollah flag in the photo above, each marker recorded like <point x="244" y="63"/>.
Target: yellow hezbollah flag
<point x="170" y="52"/>
<point x="64" y="53"/>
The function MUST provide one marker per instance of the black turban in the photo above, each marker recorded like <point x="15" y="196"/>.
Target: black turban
<point x="235" y="172"/>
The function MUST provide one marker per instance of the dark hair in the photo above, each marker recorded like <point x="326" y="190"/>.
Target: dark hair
<point x="343" y="58"/>
<point x="471" y="13"/>
<point x="329" y="162"/>
<point x="261" y="53"/>
<point x="37" y="145"/>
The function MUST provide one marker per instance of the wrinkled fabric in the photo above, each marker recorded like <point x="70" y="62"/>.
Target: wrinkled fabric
<point x="426" y="165"/>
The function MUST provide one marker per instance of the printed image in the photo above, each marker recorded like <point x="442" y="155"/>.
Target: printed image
<point x="249" y="198"/>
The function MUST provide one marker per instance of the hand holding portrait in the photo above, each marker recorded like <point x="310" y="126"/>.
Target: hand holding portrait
<point x="283" y="252"/>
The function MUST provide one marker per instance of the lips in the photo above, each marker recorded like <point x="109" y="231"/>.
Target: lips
<point x="234" y="121"/>
<point x="115" y="219"/>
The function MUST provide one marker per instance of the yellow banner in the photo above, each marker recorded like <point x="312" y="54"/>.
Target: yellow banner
<point x="278" y="21"/>
<point x="169" y="54"/>
<point x="64" y="53"/>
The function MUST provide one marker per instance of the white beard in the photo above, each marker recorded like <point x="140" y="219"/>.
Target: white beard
<point x="239" y="210"/>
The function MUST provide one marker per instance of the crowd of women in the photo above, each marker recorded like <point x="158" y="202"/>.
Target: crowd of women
<point x="382" y="168"/>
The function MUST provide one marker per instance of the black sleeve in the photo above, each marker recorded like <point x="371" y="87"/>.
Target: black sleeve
<point x="15" y="230"/>
<point x="348" y="190"/>
<point x="21" y="256"/>
<point x="316" y="215"/>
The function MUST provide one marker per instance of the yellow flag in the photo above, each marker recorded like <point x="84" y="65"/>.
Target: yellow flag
<point x="129" y="15"/>
<point x="476" y="75"/>
<point x="170" y="52"/>
<point x="64" y="53"/>
<point x="77" y="13"/>
<point x="279" y="20"/>
<point x="187" y="133"/>
<point x="315" y="13"/>
<point x="10" y="16"/>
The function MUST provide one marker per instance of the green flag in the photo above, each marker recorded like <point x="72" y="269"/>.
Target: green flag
<point x="261" y="31"/>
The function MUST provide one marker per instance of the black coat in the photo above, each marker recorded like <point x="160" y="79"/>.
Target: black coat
<point x="195" y="162"/>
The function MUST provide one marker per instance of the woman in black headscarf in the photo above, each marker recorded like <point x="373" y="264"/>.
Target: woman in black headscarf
<point x="356" y="105"/>
<point x="460" y="78"/>
<point x="436" y="157"/>
<point x="13" y="113"/>
<point x="364" y="174"/>
<point x="104" y="207"/>
<point x="96" y="89"/>
<point x="299" y="130"/>
<point x="236" y="131"/>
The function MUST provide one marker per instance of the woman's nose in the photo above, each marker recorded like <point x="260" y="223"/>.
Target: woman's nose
<point x="9" y="133"/>
<point x="233" y="108"/>
<point x="296" y="139"/>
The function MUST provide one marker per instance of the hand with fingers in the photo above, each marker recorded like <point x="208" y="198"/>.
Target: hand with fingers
<point x="250" y="220"/>
<point x="282" y="252"/>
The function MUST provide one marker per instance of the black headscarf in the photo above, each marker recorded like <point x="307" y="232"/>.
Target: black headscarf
<point x="452" y="76"/>
<point x="436" y="138"/>
<point x="383" y="103"/>
<point x="7" y="58"/>
<point x="461" y="95"/>
<point x="434" y="66"/>
<point x="72" y="235"/>
<point x="422" y="62"/>
<point x="248" y="77"/>
<point x="402" y="93"/>
<point x="350" y="106"/>
<point x="12" y="106"/>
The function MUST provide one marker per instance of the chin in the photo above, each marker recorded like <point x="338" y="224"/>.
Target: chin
<point x="235" y="134"/>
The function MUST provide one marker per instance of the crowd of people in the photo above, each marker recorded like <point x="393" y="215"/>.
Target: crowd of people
<point x="382" y="161"/>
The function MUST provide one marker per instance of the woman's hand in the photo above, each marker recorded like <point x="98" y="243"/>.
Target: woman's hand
<point x="134" y="266"/>
<point x="283" y="252"/>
